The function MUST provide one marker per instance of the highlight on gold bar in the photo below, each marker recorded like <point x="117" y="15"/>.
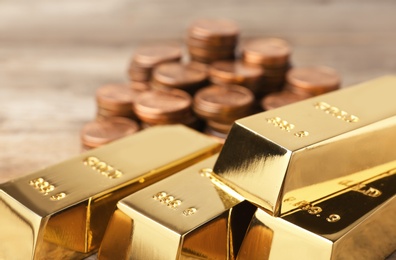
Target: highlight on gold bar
<point x="63" y="210"/>
<point x="269" y="156"/>
<point x="357" y="222"/>
<point x="189" y="215"/>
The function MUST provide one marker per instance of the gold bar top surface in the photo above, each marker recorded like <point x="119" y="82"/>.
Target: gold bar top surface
<point x="189" y="215"/>
<point x="69" y="203"/>
<point x="269" y="155"/>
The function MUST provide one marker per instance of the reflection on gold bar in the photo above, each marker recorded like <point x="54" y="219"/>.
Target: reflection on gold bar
<point x="67" y="206"/>
<point x="189" y="215"/>
<point x="355" y="223"/>
<point x="269" y="156"/>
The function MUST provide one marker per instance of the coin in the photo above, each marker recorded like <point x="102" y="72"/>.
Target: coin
<point x="219" y="126"/>
<point x="223" y="103"/>
<point x="270" y="52"/>
<point x="212" y="39"/>
<point x="214" y="30"/>
<point x="178" y="75"/>
<point x="282" y="98"/>
<point x="235" y="72"/>
<point x="146" y="57"/>
<point x="115" y="97"/>
<point x="314" y="80"/>
<point x="150" y="55"/>
<point x="100" y="132"/>
<point x="218" y="136"/>
<point x="161" y="107"/>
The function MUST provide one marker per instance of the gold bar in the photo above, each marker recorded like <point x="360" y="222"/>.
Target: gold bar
<point x="357" y="222"/>
<point x="189" y="215"/>
<point x="65" y="208"/>
<point x="268" y="157"/>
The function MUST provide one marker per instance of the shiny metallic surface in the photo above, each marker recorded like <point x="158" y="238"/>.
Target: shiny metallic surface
<point x="190" y="215"/>
<point x="69" y="204"/>
<point x="355" y="223"/>
<point x="269" y="156"/>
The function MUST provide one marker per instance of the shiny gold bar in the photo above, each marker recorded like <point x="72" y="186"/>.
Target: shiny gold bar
<point x="270" y="156"/>
<point x="189" y="215"/>
<point x="66" y="207"/>
<point x="355" y="223"/>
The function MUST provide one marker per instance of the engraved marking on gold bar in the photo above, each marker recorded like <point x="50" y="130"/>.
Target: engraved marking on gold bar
<point x="102" y="167"/>
<point x="58" y="196"/>
<point x="42" y="185"/>
<point x="282" y="124"/>
<point x="336" y="112"/>
<point x="167" y="200"/>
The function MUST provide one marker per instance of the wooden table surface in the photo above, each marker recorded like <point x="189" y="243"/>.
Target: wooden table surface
<point x="54" y="54"/>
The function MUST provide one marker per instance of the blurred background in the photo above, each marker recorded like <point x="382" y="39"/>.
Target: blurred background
<point x="54" y="54"/>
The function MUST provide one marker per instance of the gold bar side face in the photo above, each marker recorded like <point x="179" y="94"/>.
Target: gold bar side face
<point x="69" y="204"/>
<point x="185" y="216"/>
<point x="355" y="223"/>
<point x="268" y="156"/>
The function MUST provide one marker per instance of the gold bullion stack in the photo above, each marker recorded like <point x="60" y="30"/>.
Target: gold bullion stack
<point x="311" y="180"/>
<point x="61" y="212"/>
<point x="321" y="172"/>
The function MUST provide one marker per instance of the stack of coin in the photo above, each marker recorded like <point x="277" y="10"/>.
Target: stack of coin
<point x="237" y="73"/>
<point x="313" y="80"/>
<point x="210" y="40"/>
<point x="159" y="107"/>
<point x="146" y="57"/>
<point x="188" y="77"/>
<point x="101" y="132"/>
<point x="302" y="83"/>
<point x="115" y="100"/>
<point x="220" y="106"/>
<point x="273" y="55"/>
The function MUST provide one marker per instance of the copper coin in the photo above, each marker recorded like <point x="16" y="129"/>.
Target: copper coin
<point x="218" y="136"/>
<point x="199" y="43"/>
<point x="279" y="99"/>
<point x="224" y="103"/>
<point x="97" y="133"/>
<point x="217" y="30"/>
<point x="178" y="75"/>
<point x="272" y="52"/>
<point x="151" y="55"/>
<point x="105" y="113"/>
<point x="220" y="126"/>
<point x="235" y="72"/>
<point x="213" y="54"/>
<point x="139" y="86"/>
<point x="313" y="80"/>
<point x="158" y="107"/>
<point x="115" y="97"/>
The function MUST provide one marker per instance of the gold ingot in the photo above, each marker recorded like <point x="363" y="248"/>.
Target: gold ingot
<point x="270" y="156"/>
<point x="355" y="223"/>
<point x="62" y="211"/>
<point x="189" y="215"/>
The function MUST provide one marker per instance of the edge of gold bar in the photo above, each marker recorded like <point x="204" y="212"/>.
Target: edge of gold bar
<point x="268" y="156"/>
<point x="67" y="206"/>
<point x="355" y="223"/>
<point x="189" y="215"/>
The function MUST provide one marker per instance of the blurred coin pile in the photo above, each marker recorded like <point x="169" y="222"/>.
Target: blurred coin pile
<point x="216" y="82"/>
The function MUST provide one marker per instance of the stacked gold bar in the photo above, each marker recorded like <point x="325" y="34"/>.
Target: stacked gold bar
<point x="65" y="208"/>
<point x="312" y="180"/>
<point x="322" y="173"/>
